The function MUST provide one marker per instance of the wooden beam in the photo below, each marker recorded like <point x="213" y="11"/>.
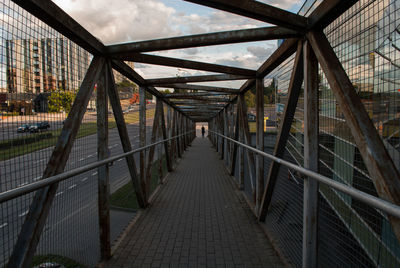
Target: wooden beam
<point x="203" y="98"/>
<point x="125" y="141"/>
<point x="247" y="140"/>
<point x="165" y="136"/>
<point x="103" y="171"/>
<point x="282" y="53"/>
<point x="199" y="40"/>
<point x="194" y="94"/>
<point x="55" y="17"/>
<point x="290" y="108"/>
<point x="203" y="88"/>
<point x="328" y="11"/>
<point x="235" y="146"/>
<point x="259" y="11"/>
<point x="154" y="131"/>
<point x="259" y="141"/>
<point x="195" y="65"/>
<point x="311" y="129"/>
<point x="35" y="220"/>
<point x="377" y="160"/>
<point x="142" y="137"/>
<point x="195" y="78"/>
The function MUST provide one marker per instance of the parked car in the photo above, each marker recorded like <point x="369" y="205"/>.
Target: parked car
<point x="251" y="117"/>
<point x="34" y="128"/>
<point x="44" y="125"/>
<point x="23" y="128"/>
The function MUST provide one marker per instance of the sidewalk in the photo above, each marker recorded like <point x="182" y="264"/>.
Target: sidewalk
<point x="196" y="220"/>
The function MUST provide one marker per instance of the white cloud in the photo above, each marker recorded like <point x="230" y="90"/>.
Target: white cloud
<point x="123" y="20"/>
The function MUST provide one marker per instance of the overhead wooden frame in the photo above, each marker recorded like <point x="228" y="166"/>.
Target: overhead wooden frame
<point x="209" y="39"/>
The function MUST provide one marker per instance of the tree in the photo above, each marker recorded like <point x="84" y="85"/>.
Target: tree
<point x="61" y="100"/>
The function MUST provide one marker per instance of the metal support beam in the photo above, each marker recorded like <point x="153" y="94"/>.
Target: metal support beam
<point x="195" y="65"/>
<point x="311" y="128"/>
<point x="35" y="220"/>
<point x="199" y="40"/>
<point x="103" y="171"/>
<point x="294" y="90"/>
<point x="377" y="160"/>
<point x="259" y="140"/>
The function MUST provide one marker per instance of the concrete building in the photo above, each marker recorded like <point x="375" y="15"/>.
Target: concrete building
<point x="42" y="65"/>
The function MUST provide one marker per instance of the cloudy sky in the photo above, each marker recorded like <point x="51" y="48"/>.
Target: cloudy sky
<point x="134" y="20"/>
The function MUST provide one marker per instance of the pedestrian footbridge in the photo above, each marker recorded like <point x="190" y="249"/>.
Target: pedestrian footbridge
<point x="299" y="165"/>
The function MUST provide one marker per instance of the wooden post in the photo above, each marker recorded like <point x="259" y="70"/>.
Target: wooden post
<point x="241" y="150"/>
<point x="226" y="131"/>
<point x="165" y="136"/>
<point x="103" y="172"/>
<point x="124" y="136"/>
<point x="142" y="137"/>
<point x="235" y="136"/>
<point x="154" y="133"/>
<point x="35" y="220"/>
<point x="259" y="140"/>
<point x="311" y="127"/>
<point x="294" y="90"/>
<point x="247" y="140"/>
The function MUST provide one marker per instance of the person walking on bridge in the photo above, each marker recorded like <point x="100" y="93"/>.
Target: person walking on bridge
<point x="203" y="130"/>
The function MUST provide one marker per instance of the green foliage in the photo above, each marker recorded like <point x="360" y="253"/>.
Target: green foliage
<point x="167" y="91"/>
<point x="250" y="99"/>
<point x="61" y="100"/>
<point x="125" y="83"/>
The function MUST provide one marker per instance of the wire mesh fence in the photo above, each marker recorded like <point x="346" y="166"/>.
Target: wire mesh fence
<point x="41" y="72"/>
<point x="350" y="233"/>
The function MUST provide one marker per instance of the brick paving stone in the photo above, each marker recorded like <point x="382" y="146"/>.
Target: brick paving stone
<point x="197" y="219"/>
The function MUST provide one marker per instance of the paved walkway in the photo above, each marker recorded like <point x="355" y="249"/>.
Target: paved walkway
<point x="197" y="220"/>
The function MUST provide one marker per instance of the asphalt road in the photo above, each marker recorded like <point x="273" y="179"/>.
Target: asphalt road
<point x="72" y="227"/>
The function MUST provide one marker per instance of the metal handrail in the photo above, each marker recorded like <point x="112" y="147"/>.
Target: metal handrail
<point x="10" y="194"/>
<point x="371" y="200"/>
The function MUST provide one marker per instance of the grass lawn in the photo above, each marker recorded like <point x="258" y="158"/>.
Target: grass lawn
<point x="125" y="196"/>
<point x="86" y="129"/>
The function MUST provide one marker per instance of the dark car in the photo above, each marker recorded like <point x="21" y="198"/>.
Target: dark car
<point x="23" y="128"/>
<point x="34" y="128"/>
<point x="251" y="117"/>
<point x="43" y="125"/>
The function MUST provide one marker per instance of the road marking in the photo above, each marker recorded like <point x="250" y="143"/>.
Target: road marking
<point x="59" y="193"/>
<point x="3" y="225"/>
<point x="37" y="178"/>
<point x="84" y="179"/>
<point x="23" y="214"/>
<point x="72" y="186"/>
<point x="94" y="173"/>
